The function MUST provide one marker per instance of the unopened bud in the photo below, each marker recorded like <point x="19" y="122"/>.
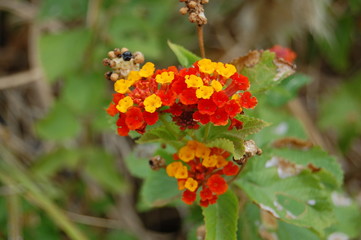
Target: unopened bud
<point x="112" y="63"/>
<point x="117" y="51"/>
<point x="205" y="1"/>
<point x="192" y="4"/>
<point x="111" y="54"/>
<point x="106" y="61"/>
<point x="107" y="75"/>
<point x="114" y="77"/>
<point x="123" y="50"/>
<point x="138" y="57"/>
<point x="183" y="10"/>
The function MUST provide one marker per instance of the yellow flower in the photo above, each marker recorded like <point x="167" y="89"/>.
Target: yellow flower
<point x="151" y="103"/>
<point x="207" y="66"/>
<point x="164" y="77"/>
<point x="235" y="97"/>
<point x="202" y="151"/>
<point x="147" y="70"/>
<point x="181" y="183"/>
<point x="124" y="104"/>
<point x="192" y="144"/>
<point x="186" y="154"/>
<point x="204" y="92"/>
<point x="226" y="70"/>
<point x="210" y="161"/>
<point x="191" y="184"/>
<point x="172" y="168"/>
<point x="221" y="161"/>
<point x="133" y="77"/>
<point x="216" y="85"/>
<point x="181" y="173"/>
<point x="121" y="86"/>
<point x="193" y="81"/>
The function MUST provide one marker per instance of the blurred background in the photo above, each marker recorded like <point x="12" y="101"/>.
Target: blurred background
<point x="62" y="165"/>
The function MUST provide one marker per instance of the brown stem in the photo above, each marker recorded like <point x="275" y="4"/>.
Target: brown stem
<point x="200" y="40"/>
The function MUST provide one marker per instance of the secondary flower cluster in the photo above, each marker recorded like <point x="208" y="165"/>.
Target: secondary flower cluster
<point x="196" y="167"/>
<point x="206" y="92"/>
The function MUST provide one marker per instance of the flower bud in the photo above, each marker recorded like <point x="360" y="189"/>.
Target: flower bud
<point x="123" y="50"/>
<point x="204" y="1"/>
<point x="114" y="77"/>
<point x="138" y="57"/>
<point x="117" y="51"/>
<point x="183" y="10"/>
<point x="192" y="4"/>
<point x="111" y="54"/>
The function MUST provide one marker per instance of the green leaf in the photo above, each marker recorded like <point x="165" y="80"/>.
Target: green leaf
<point x="221" y="218"/>
<point x="50" y="163"/>
<point x="168" y="133"/>
<point x="101" y="167"/>
<point x="318" y="158"/>
<point x="348" y="216"/>
<point x="55" y="49"/>
<point x="59" y="124"/>
<point x="251" y="125"/>
<point x="299" y="199"/>
<point x="251" y="224"/>
<point x="185" y="57"/>
<point x="263" y="69"/>
<point x="223" y="143"/>
<point x="158" y="188"/>
<point x="138" y="166"/>
<point x="287" y="89"/>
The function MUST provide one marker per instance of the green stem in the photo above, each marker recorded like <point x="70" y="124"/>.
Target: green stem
<point x="14" y="218"/>
<point x="206" y="132"/>
<point x="13" y="173"/>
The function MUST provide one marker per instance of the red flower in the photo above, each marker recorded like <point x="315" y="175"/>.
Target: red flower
<point x="188" y="96"/>
<point x="247" y="101"/>
<point x="207" y="106"/>
<point x="220" y="98"/>
<point x="202" y="118"/>
<point x="235" y="123"/>
<point x="117" y="97"/>
<point x="220" y="117"/>
<point x="150" y="118"/>
<point x="175" y="109"/>
<point x="232" y="108"/>
<point x="189" y="197"/>
<point x="123" y="129"/>
<point x="217" y="184"/>
<point x="112" y="110"/>
<point x="178" y="85"/>
<point x="230" y="169"/>
<point x="204" y="203"/>
<point x="206" y="194"/>
<point x="134" y="118"/>
<point x="240" y="81"/>
<point x="168" y="97"/>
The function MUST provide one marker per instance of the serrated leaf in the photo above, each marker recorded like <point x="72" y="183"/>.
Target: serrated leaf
<point x="251" y="225"/>
<point x="223" y="143"/>
<point x="158" y="188"/>
<point x="184" y="56"/>
<point x="299" y="199"/>
<point x="315" y="156"/>
<point x="263" y="69"/>
<point x="221" y="218"/>
<point x="286" y="90"/>
<point x="251" y="125"/>
<point x="167" y="133"/>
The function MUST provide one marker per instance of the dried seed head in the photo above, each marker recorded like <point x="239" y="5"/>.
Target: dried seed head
<point x="111" y="54"/>
<point x="157" y="162"/>
<point x="114" y="77"/>
<point x="205" y="1"/>
<point x="138" y="57"/>
<point x="183" y="10"/>
<point x="192" y="17"/>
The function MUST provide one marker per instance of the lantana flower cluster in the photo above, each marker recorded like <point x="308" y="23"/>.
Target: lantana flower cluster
<point x="207" y="92"/>
<point x="202" y="169"/>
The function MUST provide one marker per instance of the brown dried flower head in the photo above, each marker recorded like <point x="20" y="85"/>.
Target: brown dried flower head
<point x="195" y="11"/>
